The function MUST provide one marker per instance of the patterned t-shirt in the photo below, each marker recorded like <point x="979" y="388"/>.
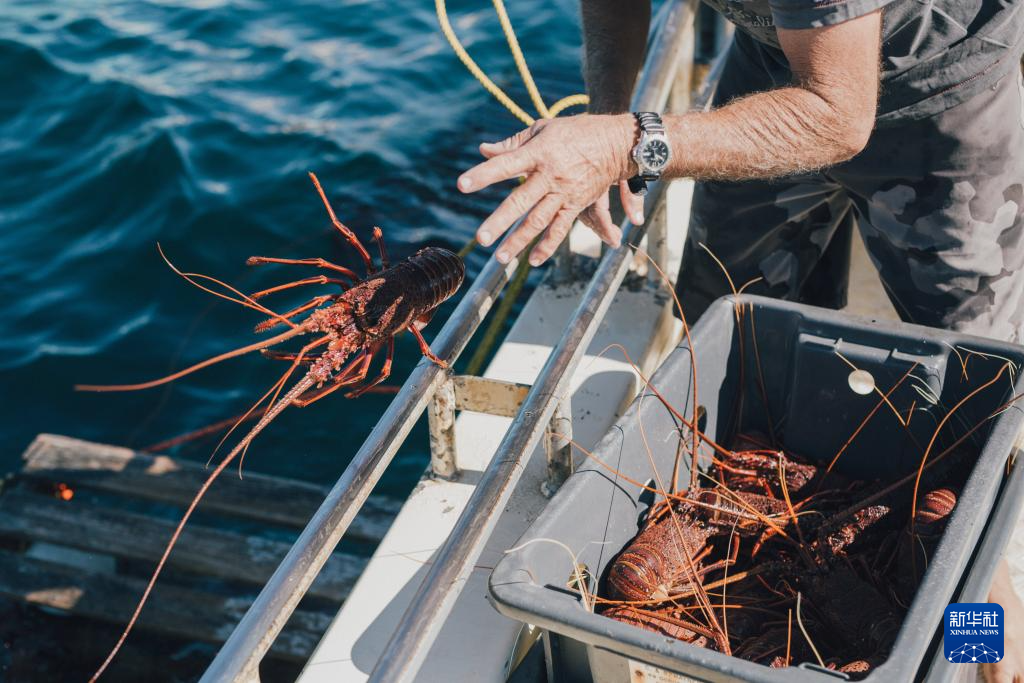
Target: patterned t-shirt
<point x="935" y="53"/>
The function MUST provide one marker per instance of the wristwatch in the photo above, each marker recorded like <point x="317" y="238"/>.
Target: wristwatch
<point x="651" y="152"/>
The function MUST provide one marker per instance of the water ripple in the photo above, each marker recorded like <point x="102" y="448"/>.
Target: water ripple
<point x="193" y="123"/>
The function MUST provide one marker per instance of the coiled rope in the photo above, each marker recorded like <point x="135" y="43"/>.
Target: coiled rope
<point x="520" y="60"/>
<point x="518" y="280"/>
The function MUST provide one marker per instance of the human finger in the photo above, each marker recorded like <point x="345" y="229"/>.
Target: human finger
<point x="603" y="223"/>
<point x="534" y="224"/>
<point x="512" y="143"/>
<point x="606" y="229"/>
<point x="553" y="237"/>
<point x="515" y="205"/>
<point x="496" y="169"/>
<point x="632" y="204"/>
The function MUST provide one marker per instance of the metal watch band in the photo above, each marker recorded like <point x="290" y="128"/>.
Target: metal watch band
<point x="649" y="121"/>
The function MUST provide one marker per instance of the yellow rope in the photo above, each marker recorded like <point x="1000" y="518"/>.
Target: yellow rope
<point x="517" y="56"/>
<point x="557" y="108"/>
<point x="468" y="247"/>
<point x="501" y="313"/>
<point x="580" y="100"/>
<point x="499" y="94"/>
<point x="520" y="60"/>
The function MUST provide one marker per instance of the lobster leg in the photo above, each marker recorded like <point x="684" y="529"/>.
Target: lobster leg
<point x="317" y="262"/>
<point x="378" y="237"/>
<point x="425" y="347"/>
<point x="283" y="355"/>
<point x="352" y="373"/>
<point x="314" y="396"/>
<point x="658" y="512"/>
<point x="715" y="566"/>
<point x="764" y="538"/>
<point x="343" y="229"/>
<point x="312" y="303"/>
<point x="385" y="372"/>
<point x="318" y="280"/>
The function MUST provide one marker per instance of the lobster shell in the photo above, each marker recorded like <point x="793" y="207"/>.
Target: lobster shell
<point x="934" y="510"/>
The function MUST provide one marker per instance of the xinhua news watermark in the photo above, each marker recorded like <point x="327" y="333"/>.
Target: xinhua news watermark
<point x="974" y="633"/>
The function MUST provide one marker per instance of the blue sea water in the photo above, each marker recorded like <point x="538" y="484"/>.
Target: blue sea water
<point x="192" y="123"/>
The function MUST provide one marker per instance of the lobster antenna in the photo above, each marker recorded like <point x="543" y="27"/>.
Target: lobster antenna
<point x="245" y="299"/>
<point x="198" y="366"/>
<point x="693" y="367"/>
<point x="648" y="384"/>
<point x="195" y="434"/>
<point x="275" y="390"/>
<point x="304" y="384"/>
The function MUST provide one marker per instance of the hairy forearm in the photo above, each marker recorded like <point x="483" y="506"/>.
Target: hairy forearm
<point x="614" y="39"/>
<point x="825" y="117"/>
<point x="771" y="134"/>
<point x="570" y="162"/>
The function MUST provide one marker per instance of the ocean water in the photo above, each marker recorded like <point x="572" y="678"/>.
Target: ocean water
<point x="192" y="124"/>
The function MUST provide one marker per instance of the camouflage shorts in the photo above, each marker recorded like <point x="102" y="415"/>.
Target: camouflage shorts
<point x="939" y="203"/>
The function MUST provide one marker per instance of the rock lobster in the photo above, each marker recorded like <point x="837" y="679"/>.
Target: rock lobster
<point x="352" y="328"/>
<point x="836" y="561"/>
<point x="856" y="571"/>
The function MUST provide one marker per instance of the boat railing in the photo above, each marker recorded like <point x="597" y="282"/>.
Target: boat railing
<point x="239" y="658"/>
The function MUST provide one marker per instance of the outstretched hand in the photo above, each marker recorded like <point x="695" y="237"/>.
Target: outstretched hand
<point x="569" y="164"/>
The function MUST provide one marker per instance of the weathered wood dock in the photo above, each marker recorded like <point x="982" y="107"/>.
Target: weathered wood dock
<point x="116" y="508"/>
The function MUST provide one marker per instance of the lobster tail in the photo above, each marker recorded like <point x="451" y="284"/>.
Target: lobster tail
<point x="443" y="273"/>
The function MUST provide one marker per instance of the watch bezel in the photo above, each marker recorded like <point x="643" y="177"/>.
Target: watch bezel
<point x="651" y="139"/>
<point x="645" y="141"/>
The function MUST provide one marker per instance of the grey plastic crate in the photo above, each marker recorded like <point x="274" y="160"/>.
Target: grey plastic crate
<point x="811" y="404"/>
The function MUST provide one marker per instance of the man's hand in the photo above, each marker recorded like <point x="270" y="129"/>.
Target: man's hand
<point x="824" y="118"/>
<point x="569" y="164"/>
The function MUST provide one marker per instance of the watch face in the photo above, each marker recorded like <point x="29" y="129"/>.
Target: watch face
<point x="655" y="154"/>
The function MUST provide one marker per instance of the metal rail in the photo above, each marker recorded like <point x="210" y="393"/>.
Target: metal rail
<point x="448" y="573"/>
<point x="450" y="569"/>
<point x="239" y="658"/>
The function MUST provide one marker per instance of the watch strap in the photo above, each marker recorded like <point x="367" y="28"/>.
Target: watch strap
<point x="637" y="185"/>
<point x="649" y="121"/>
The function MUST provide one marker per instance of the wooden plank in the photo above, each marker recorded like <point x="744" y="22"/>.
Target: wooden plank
<point x="82" y="525"/>
<point x="257" y="497"/>
<point x="176" y="611"/>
